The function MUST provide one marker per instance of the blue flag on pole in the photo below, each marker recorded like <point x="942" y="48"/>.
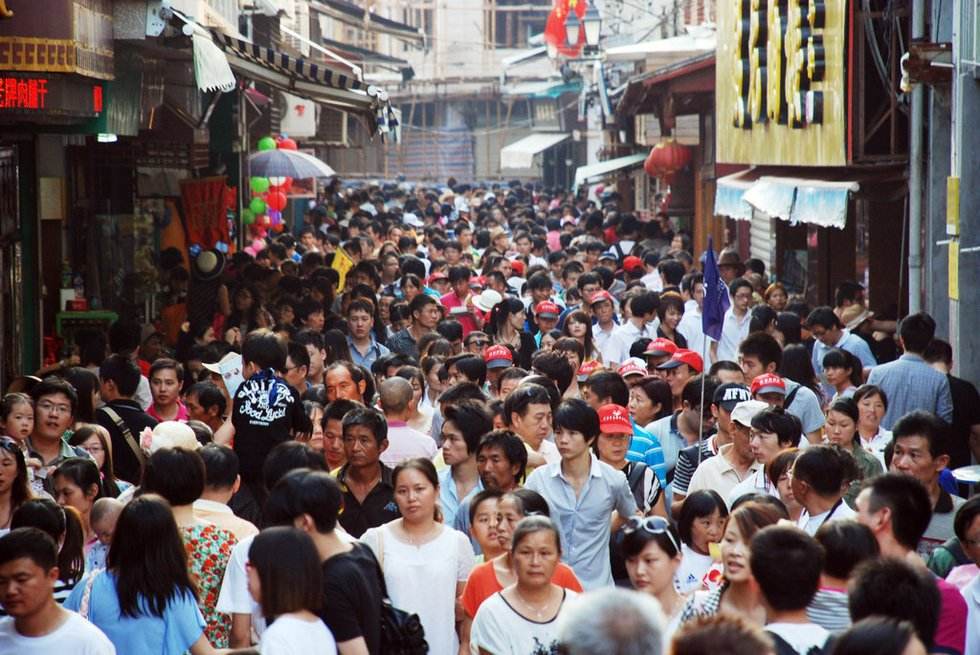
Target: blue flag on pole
<point x="716" y="301"/>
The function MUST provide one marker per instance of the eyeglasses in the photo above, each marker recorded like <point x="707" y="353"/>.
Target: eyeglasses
<point x="51" y="408"/>
<point x="652" y="525"/>
<point x="480" y="343"/>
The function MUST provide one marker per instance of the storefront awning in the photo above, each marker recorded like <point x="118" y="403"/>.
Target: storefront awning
<point x="541" y="90"/>
<point x="307" y="79"/>
<point x="520" y="154"/>
<point x="815" y="201"/>
<point x="588" y="173"/>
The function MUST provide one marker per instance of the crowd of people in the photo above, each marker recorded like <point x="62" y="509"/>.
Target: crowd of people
<point x="489" y="420"/>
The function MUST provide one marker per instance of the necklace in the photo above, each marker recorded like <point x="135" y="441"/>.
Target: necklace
<point x="421" y="539"/>
<point x="538" y="610"/>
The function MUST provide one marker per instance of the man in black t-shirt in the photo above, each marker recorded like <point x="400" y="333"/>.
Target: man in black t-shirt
<point x="352" y="583"/>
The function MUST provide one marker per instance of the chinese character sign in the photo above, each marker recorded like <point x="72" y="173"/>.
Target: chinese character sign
<point x="23" y="93"/>
<point x="780" y="82"/>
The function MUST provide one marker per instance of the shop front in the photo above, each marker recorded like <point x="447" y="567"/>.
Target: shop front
<point x="817" y="139"/>
<point x="56" y="58"/>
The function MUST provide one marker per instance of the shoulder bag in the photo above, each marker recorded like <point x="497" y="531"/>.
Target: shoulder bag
<point x="127" y="435"/>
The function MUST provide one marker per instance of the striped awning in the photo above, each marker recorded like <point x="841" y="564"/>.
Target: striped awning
<point x="316" y="81"/>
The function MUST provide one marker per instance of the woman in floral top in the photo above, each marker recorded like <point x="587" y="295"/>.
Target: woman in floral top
<point x="208" y="549"/>
<point x="178" y="475"/>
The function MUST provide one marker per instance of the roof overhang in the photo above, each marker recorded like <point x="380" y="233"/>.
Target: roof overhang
<point x="351" y="14"/>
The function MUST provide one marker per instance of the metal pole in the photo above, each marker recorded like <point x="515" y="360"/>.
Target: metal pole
<point x="916" y="116"/>
<point x="704" y="375"/>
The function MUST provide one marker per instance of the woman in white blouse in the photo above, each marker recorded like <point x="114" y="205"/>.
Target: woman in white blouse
<point x="872" y="405"/>
<point x="522" y="618"/>
<point x="425" y="563"/>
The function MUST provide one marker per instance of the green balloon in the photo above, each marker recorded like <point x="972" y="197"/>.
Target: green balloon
<point x="248" y="216"/>
<point x="259" y="184"/>
<point x="267" y="143"/>
<point x="257" y="206"/>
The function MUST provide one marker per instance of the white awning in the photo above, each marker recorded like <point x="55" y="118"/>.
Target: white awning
<point x="662" y="52"/>
<point x="520" y="154"/>
<point x="587" y="173"/>
<point x="793" y="199"/>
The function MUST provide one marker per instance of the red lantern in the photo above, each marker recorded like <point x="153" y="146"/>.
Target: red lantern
<point x="666" y="158"/>
<point x="276" y="200"/>
<point x="287" y="144"/>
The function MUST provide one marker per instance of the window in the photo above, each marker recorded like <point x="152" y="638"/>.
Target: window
<point x="510" y="24"/>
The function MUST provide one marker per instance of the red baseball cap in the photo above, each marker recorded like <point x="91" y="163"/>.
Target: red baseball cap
<point x="768" y="383"/>
<point x="588" y="368"/>
<point x="684" y="356"/>
<point x="660" y="347"/>
<point x="615" y="419"/>
<point x="517" y="267"/>
<point x="547" y="309"/>
<point x="632" y="263"/>
<point x="437" y="276"/>
<point x="632" y="367"/>
<point x="498" y="356"/>
<point x="600" y="296"/>
<point x="477" y="282"/>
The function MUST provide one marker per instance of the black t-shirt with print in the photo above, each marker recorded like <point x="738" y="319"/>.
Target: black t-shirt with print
<point x="265" y="411"/>
<point x="352" y="597"/>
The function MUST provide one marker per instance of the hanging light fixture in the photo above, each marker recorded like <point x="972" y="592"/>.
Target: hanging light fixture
<point x="572" y="27"/>
<point x="592" y="22"/>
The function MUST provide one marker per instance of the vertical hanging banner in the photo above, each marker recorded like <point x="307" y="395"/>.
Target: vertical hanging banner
<point x="780" y="82"/>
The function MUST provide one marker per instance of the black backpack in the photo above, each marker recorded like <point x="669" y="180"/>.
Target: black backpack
<point x="783" y="647"/>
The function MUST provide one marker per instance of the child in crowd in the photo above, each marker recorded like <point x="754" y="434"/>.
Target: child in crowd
<point x="105" y="513"/>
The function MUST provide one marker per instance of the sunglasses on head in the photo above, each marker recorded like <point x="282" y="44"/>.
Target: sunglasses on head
<point x="652" y="525"/>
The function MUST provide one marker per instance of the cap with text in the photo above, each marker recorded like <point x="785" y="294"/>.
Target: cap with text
<point x="768" y="383"/>
<point x="498" y="356"/>
<point x="614" y="419"/>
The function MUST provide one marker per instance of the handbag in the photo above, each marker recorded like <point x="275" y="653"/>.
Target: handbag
<point x="401" y="632"/>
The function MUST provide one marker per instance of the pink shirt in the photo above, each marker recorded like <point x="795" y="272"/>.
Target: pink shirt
<point x="951" y="631"/>
<point x="182" y="414"/>
<point x="451" y="300"/>
<point x="405" y="443"/>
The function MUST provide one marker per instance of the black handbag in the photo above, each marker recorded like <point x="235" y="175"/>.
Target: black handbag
<point x="401" y="632"/>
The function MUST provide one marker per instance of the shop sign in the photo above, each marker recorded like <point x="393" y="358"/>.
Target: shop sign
<point x="50" y="95"/>
<point x="780" y="95"/>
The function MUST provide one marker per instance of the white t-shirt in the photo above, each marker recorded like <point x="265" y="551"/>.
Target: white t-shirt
<point x="234" y="597"/>
<point x="499" y="629"/>
<point x="422" y="579"/>
<point x="75" y="635"/>
<point x="289" y="635"/>
<point x="690" y="574"/>
<point x="801" y="636"/>
<point x="810" y="524"/>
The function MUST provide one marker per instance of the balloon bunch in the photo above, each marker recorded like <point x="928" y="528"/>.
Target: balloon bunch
<point x="264" y="211"/>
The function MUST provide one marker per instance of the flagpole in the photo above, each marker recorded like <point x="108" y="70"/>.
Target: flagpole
<point x="712" y="321"/>
<point x="704" y="376"/>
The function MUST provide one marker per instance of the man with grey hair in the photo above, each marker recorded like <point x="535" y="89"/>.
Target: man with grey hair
<point x="612" y="621"/>
<point x="396" y="400"/>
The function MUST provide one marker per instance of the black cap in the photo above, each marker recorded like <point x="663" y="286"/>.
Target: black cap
<point x="730" y="394"/>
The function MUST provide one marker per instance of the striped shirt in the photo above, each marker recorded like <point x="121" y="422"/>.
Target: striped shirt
<point x="646" y="448"/>
<point x="829" y="609"/>
<point x="687" y="463"/>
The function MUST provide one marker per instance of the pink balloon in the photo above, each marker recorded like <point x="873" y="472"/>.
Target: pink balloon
<point x="249" y="250"/>
<point x="258" y="245"/>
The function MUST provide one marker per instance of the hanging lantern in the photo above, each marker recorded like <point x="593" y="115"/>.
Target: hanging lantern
<point x="666" y="158"/>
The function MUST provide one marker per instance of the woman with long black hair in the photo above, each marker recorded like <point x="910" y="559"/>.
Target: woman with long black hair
<point x="145" y="600"/>
<point x="290" y="592"/>
<point x="506" y="327"/>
